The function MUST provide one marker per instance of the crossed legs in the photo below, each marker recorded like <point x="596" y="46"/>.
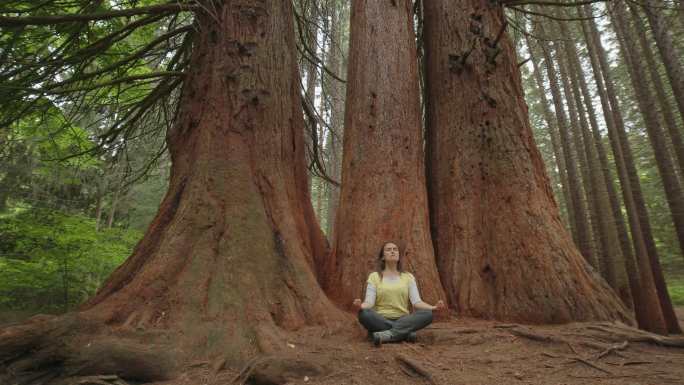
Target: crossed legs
<point x="399" y="328"/>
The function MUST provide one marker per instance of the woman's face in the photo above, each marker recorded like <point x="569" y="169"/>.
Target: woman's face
<point x="390" y="252"/>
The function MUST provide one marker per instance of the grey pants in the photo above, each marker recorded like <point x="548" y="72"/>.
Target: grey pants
<point x="400" y="328"/>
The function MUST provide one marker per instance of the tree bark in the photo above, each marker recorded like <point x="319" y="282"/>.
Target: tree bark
<point x="383" y="194"/>
<point x="502" y="249"/>
<point x="225" y="267"/>
<point x="646" y="303"/>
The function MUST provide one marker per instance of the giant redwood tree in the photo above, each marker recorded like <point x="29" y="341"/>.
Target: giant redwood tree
<point x="383" y="195"/>
<point x="501" y="247"/>
<point x="225" y="267"/>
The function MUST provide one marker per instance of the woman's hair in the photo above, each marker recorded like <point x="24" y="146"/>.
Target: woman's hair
<point x="381" y="260"/>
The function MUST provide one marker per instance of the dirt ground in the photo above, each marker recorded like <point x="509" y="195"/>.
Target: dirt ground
<point x="465" y="351"/>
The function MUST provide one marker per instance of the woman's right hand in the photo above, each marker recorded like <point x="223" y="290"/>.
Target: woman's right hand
<point x="357" y="304"/>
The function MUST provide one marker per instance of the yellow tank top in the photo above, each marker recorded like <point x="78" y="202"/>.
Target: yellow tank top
<point x="392" y="297"/>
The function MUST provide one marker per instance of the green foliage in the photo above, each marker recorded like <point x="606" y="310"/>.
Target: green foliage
<point x="676" y="289"/>
<point x="51" y="261"/>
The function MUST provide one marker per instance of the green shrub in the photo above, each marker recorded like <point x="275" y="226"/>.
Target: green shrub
<point x="51" y="261"/>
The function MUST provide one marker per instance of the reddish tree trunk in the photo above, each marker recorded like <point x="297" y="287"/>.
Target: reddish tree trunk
<point x="668" y="52"/>
<point x="228" y="256"/>
<point x="656" y="135"/>
<point x="581" y="220"/>
<point x="590" y="196"/>
<point x="555" y="140"/>
<point x="383" y="194"/>
<point x="615" y="215"/>
<point x="660" y="90"/>
<point x="646" y="302"/>
<point x="673" y="191"/>
<point x="503" y="252"/>
<point x="611" y="259"/>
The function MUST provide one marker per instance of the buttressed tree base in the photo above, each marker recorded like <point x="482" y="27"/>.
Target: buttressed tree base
<point x="501" y="248"/>
<point x="227" y="262"/>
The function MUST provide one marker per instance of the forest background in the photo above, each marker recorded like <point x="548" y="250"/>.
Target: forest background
<point x="74" y="204"/>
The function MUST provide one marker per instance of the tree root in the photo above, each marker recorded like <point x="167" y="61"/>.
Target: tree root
<point x="414" y="367"/>
<point x="606" y="331"/>
<point x="617" y="333"/>
<point x="275" y="370"/>
<point x="68" y="349"/>
<point x="612" y="349"/>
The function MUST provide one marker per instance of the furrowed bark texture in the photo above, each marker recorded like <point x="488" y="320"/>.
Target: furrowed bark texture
<point x="227" y="260"/>
<point x="502" y="250"/>
<point x="383" y="195"/>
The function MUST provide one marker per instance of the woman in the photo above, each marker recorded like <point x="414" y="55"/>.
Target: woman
<point x="385" y="310"/>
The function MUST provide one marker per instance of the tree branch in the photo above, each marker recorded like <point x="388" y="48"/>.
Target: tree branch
<point x="60" y="19"/>
<point x="100" y="85"/>
<point x="510" y="3"/>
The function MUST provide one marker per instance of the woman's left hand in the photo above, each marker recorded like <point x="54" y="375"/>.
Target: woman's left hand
<point x="439" y="306"/>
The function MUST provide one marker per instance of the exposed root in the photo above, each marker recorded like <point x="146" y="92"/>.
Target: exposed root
<point x="618" y="333"/>
<point x="526" y="333"/>
<point x="590" y="364"/>
<point x="603" y="331"/>
<point x="275" y="370"/>
<point x="52" y="350"/>
<point x="612" y="349"/>
<point x="414" y="367"/>
<point x="94" y="380"/>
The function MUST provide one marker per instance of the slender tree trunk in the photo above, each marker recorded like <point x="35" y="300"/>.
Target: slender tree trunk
<point x="659" y="88"/>
<point x="310" y="39"/>
<point x="555" y="140"/>
<point x="115" y="202"/>
<point x="611" y="258"/>
<point x="336" y="94"/>
<point x="581" y="221"/>
<point x="383" y="194"/>
<point x="647" y="106"/>
<point x="98" y="210"/>
<point x="673" y="191"/>
<point x="646" y="302"/>
<point x="614" y="236"/>
<point x="668" y="52"/>
<point x="590" y="196"/>
<point x="502" y="249"/>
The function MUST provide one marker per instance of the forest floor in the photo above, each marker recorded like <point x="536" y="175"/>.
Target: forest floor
<point x="463" y="351"/>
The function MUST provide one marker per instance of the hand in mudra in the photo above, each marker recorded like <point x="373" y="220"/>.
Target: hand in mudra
<point x="357" y="304"/>
<point x="439" y="306"/>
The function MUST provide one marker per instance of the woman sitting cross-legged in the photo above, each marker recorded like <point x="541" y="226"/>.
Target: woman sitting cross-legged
<point x="385" y="310"/>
